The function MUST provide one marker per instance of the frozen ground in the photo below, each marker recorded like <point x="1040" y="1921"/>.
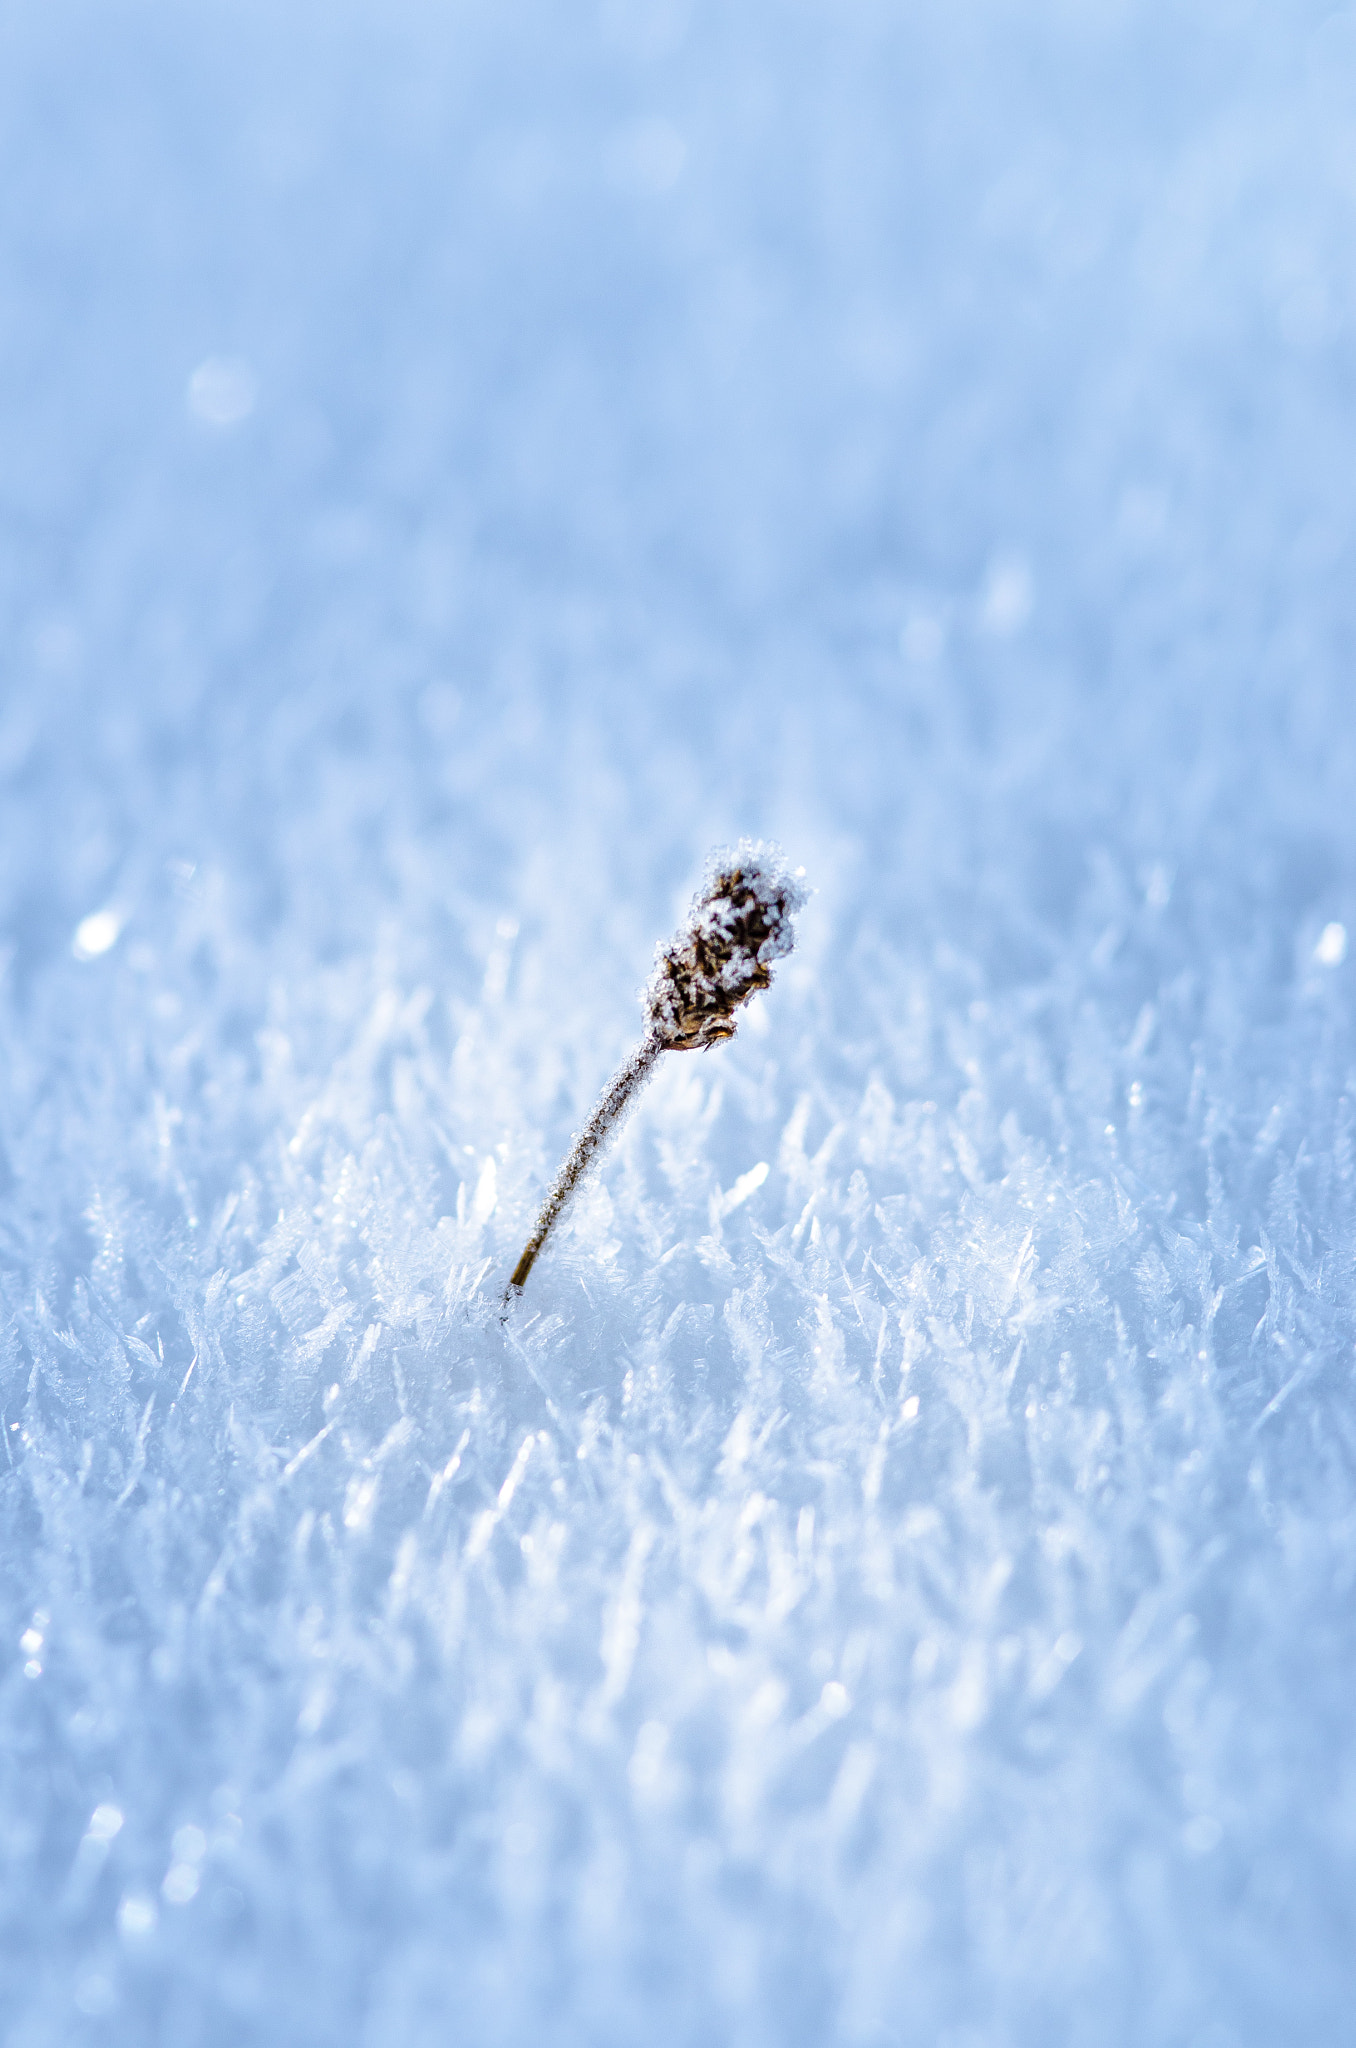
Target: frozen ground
<point x="891" y="1582"/>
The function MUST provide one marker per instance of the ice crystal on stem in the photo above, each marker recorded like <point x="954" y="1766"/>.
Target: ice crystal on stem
<point x="741" y="922"/>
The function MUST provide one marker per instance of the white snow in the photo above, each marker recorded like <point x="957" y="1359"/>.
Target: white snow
<point x="221" y="392"/>
<point x="102" y="929"/>
<point x="1331" y="949"/>
<point x="890" y="1580"/>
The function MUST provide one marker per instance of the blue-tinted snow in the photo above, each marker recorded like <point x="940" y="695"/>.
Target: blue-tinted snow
<point x="892" y="1580"/>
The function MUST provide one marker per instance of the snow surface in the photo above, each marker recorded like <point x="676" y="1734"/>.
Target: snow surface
<point x="891" y="1580"/>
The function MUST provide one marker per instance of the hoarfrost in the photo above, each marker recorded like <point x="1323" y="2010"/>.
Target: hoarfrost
<point x="891" y="1582"/>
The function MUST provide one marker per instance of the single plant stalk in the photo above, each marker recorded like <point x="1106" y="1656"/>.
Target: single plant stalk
<point x="741" y="921"/>
<point x="615" y="1101"/>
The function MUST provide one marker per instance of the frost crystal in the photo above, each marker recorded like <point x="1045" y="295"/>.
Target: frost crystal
<point x="891" y="1581"/>
<point x="741" y="922"/>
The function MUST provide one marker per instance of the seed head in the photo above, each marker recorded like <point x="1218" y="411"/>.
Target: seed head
<point x="741" y="922"/>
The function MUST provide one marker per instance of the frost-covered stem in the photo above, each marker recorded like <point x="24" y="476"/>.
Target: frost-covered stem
<point x="741" y="921"/>
<point x="590" y="1142"/>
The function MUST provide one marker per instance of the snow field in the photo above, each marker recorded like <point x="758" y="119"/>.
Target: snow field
<point x="889" y="1581"/>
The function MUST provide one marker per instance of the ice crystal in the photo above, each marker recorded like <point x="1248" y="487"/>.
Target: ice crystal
<point x="890" y="1583"/>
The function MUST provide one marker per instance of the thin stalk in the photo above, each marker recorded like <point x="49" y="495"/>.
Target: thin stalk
<point x="590" y="1142"/>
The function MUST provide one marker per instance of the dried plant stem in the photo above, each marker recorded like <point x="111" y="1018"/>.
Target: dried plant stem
<point x="590" y="1142"/>
<point x="741" y="921"/>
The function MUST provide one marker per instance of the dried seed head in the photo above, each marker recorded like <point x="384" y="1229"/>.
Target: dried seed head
<point x="741" y="922"/>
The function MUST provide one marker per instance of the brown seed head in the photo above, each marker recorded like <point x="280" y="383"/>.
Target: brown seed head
<point x="741" y="922"/>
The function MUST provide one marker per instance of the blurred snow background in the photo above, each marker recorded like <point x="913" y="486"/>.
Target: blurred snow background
<point x="892" y="1581"/>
